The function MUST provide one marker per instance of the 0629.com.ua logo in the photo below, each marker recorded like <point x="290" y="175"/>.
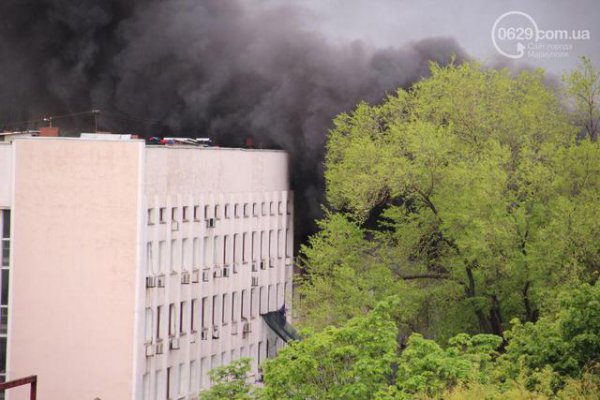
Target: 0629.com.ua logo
<point x="516" y="34"/>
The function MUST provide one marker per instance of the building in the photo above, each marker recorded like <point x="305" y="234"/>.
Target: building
<point x="129" y="270"/>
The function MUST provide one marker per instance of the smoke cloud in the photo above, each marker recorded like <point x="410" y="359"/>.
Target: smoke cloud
<point x="219" y="68"/>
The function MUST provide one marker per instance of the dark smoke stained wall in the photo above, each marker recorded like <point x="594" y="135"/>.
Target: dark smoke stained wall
<point x="224" y="68"/>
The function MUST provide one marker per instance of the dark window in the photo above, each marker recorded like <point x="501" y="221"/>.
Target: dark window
<point x="158" y="315"/>
<point x="2" y="355"/>
<point x="6" y="224"/>
<point x="4" y="294"/>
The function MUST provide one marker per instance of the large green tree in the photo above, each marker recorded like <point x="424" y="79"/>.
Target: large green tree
<point x="467" y="194"/>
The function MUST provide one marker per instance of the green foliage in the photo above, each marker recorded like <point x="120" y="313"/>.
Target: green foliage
<point x="350" y="362"/>
<point x="230" y="382"/>
<point x="468" y="194"/>
<point x="583" y="88"/>
<point x="566" y="343"/>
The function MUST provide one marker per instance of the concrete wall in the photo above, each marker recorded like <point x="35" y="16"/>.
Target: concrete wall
<point x="75" y="253"/>
<point x="5" y="174"/>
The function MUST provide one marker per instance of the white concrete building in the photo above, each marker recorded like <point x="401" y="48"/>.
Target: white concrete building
<point x="129" y="271"/>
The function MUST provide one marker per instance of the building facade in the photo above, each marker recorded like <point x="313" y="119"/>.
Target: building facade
<point x="132" y="270"/>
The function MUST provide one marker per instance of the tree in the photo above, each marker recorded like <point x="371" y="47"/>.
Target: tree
<point x="230" y="382"/>
<point x="583" y="86"/>
<point x="467" y="193"/>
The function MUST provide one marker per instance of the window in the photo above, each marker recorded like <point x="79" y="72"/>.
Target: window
<point x="148" y="325"/>
<point x="197" y="215"/>
<point x="217" y="212"/>
<point x="280" y="207"/>
<point x="225" y="312"/>
<point x="280" y="243"/>
<point x="182" y="312"/>
<point x="205" y="247"/>
<point x="162" y="255"/>
<point x="236" y="210"/>
<point x="216" y="252"/>
<point x="264" y="246"/>
<point x="158" y="319"/>
<point x="172" y="320"/>
<point x="226" y="245"/>
<point x="193" y="309"/>
<point x="196" y="253"/>
<point x="235" y="306"/>
<point x="272" y="299"/>
<point x="253" y="247"/>
<point x="185" y="254"/>
<point x="206" y="211"/>
<point x="193" y="376"/>
<point x="4" y="320"/>
<point x="174" y="214"/>
<point x="264" y="208"/>
<point x="227" y="210"/>
<point x="271" y="249"/>
<point x="216" y="316"/>
<point x="204" y="312"/>
<point x="162" y="215"/>
<point x="255" y="209"/>
<point x="185" y="213"/>
<point x="149" y="266"/>
<point x="236" y="243"/>
<point x="181" y="386"/>
<point x="245" y="312"/>
<point x="174" y="252"/>
<point x="170" y="385"/>
<point x="271" y="208"/>
<point x="244" y="247"/>
<point x="246" y="210"/>
<point x="263" y="301"/>
<point x="254" y="303"/>
<point x="150" y="216"/>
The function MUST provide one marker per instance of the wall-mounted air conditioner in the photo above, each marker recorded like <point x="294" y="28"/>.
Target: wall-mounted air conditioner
<point x="254" y="281"/>
<point x="159" y="347"/>
<point x="204" y="334"/>
<point x="206" y="275"/>
<point x="174" y="343"/>
<point x="195" y="275"/>
<point x="150" y="282"/>
<point x="226" y="271"/>
<point x="149" y="349"/>
<point x="160" y="281"/>
<point x="210" y="223"/>
<point x="185" y="278"/>
<point x="263" y="264"/>
<point x="216" y="332"/>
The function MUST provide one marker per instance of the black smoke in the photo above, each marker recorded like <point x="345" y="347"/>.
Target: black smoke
<point x="228" y="69"/>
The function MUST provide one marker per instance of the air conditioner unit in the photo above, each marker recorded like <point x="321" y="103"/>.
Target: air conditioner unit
<point x="160" y="281"/>
<point x="195" y="276"/>
<point x="254" y="267"/>
<point x="204" y="334"/>
<point x="185" y="278"/>
<point x="234" y="328"/>
<point x="263" y="264"/>
<point x="217" y="272"/>
<point x="215" y="332"/>
<point x="210" y="223"/>
<point x="206" y="275"/>
<point x="226" y="272"/>
<point x="247" y="328"/>
<point x="159" y="347"/>
<point x="149" y="349"/>
<point x="254" y="281"/>
<point x="174" y="226"/>
<point x="150" y="282"/>
<point x="174" y="343"/>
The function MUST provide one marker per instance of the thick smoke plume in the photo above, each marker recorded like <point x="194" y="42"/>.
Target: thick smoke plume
<point x="227" y="69"/>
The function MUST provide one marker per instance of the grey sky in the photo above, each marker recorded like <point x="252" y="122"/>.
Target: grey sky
<point x="392" y="23"/>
